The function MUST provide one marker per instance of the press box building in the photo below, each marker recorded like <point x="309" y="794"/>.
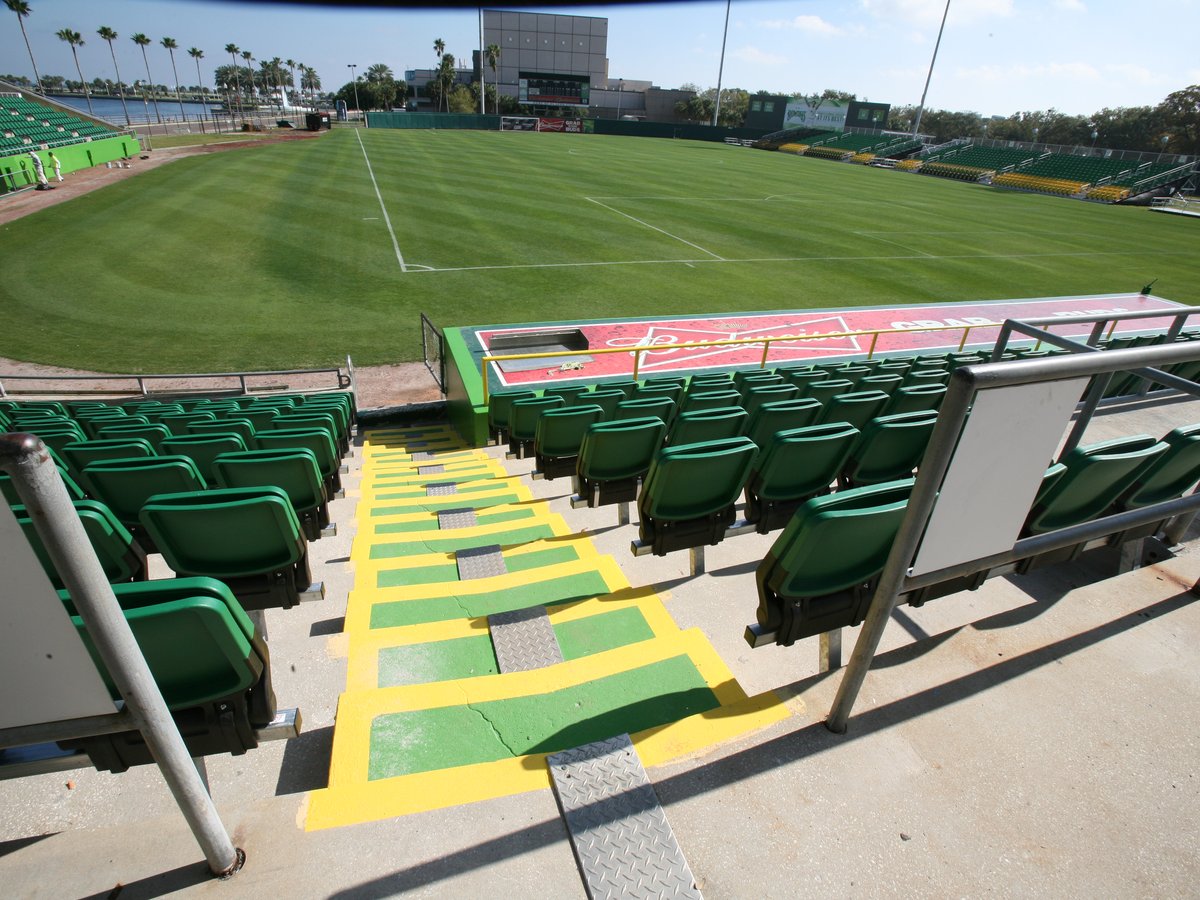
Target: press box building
<point x="543" y="55"/>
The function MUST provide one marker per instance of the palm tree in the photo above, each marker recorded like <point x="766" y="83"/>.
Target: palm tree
<point x="233" y="51"/>
<point x="197" y="54"/>
<point x="439" y="47"/>
<point x="75" y="39"/>
<point x="277" y="71"/>
<point x="171" y="46"/>
<point x="142" y="41"/>
<point x="249" y="58"/>
<point x="109" y="35"/>
<point x="21" y="8"/>
<point x="291" y="64"/>
<point x="379" y="72"/>
<point x="493" y="56"/>
<point x="310" y="79"/>
<point x="446" y="76"/>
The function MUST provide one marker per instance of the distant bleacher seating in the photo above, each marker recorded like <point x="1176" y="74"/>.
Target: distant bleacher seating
<point x="972" y="162"/>
<point x="25" y="125"/>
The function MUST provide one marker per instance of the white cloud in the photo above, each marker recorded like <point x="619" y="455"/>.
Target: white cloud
<point x="1072" y="71"/>
<point x="759" y="57"/>
<point x="929" y="12"/>
<point x="1133" y="73"/>
<point x="1071" y="5"/>
<point x="808" y="24"/>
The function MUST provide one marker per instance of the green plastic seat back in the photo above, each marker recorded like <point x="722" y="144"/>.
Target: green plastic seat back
<point x="743" y="376"/>
<point x="569" y="392"/>
<point x="660" y="407"/>
<point x="316" y="440"/>
<point x="324" y="420"/>
<point x="801" y="377"/>
<point x="854" y="373"/>
<point x="293" y="471"/>
<point x="203" y="449"/>
<point x="124" y="485"/>
<point x="704" y="425"/>
<point x="755" y="394"/>
<point x="885" y="383"/>
<point x="109" y="538"/>
<point x="341" y="416"/>
<point x="623" y="448"/>
<point x="919" y="374"/>
<point x="606" y="400"/>
<point x="836" y="542"/>
<point x="714" y="381"/>
<point x="890" y="447"/>
<point x="716" y="399"/>
<point x="1095" y="476"/>
<point x="800" y="462"/>
<point x="195" y="646"/>
<point x="78" y="456"/>
<point x="694" y="480"/>
<point x="523" y="417"/>
<point x="655" y="391"/>
<point x="179" y="423"/>
<point x="1170" y="475"/>
<point x="857" y="408"/>
<point x="58" y="438"/>
<point x="500" y="403"/>
<point x="244" y="428"/>
<point x="259" y="419"/>
<point x="226" y="532"/>
<point x="625" y="385"/>
<point x="155" y="434"/>
<point x="659" y="380"/>
<point x="782" y="415"/>
<point x="915" y="398"/>
<point x="559" y="432"/>
<point x="826" y="390"/>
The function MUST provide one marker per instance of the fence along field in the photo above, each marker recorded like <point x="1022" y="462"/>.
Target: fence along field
<point x="281" y="255"/>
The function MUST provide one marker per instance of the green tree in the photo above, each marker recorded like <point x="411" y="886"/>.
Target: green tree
<point x="75" y="39"/>
<point x="197" y="54"/>
<point x="312" y="81"/>
<point x="171" y="46"/>
<point x="460" y="99"/>
<point x="21" y="8"/>
<point x="107" y="34"/>
<point x="291" y="64"/>
<point x="379" y="72"/>
<point x="1180" y="112"/>
<point x="233" y="50"/>
<point x="492" y="53"/>
<point x="439" y="47"/>
<point x="249" y="58"/>
<point x="695" y="109"/>
<point x="142" y="41"/>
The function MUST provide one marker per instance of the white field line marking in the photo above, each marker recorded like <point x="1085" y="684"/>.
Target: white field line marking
<point x="876" y="237"/>
<point x="792" y="259"/>
<point x="655" y="228"/>
<point x="386" y="219"/>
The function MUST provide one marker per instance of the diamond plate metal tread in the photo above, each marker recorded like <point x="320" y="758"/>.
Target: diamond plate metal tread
<point x="431" y="470"/>
<point x="480" y="562"/>
<point x="441" y="488"/>
<point x="461" y="517"/>
<point x="524" y="639"/>
<point x="423" y="454"/>
<point x="623" y="843"/>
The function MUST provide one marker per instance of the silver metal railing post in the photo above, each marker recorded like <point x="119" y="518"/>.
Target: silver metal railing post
<point x="36" y="479"/>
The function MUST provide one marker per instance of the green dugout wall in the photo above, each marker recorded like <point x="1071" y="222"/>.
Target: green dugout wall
<point x="73" y="156"/>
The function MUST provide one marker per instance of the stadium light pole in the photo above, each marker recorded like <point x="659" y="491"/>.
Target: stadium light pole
<point x="721" y="67"/>
<point x="620" y="87"/>
<point x="482" y="83"/>
<point x="354" y="81"/>
<point x="929" y="77"/>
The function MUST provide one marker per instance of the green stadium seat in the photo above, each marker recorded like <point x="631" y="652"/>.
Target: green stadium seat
<point x="818" y="575"/>
<point x="59" y="437"/>
<point x="824" y="391"/>
<point x="707" y="425"/>
<point x="690" y="491"/>
<point x="661" y="407"/>
<point x="781" y="415"/>
<point x="717" y="399"/>
<point x="80" y="455"/>
<point x="120" y="556"/>
<point x="203" y="450"/>
<point x="626" y="386"/>
<point x="315" y="439"/>
<point x="755" y="394"/>
<point x="660" y="380"/>
<point x="243" y="428"/>
<point x="885" y="383"/>
<point x="178" y="424"/>
<point x="522" y="425"/>
<point x="499" y="409"/>
<point x="889" y="449"/>
<point x="259" y="419"/>
<point x="1168" y="476"/>
<point x="210" y="663"/>
<point x="606" y="400"/>
<point x="125" y="484"/>
<point x="317" y="419"/>
<point x="569" y="392"/>
<point x="293" y="471"/>
<point x="670" y="389"/>
<point x="248" y="538"/>
<point x="557" y="437"/>
<point x="917" y="398"/>
<point x="795" y="465"/>
<point x="613" y="458"/>
<point x="155" y="434"/>
<point x="857" y="408"/>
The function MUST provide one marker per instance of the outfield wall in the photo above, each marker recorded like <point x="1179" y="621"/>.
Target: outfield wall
<point x="73" y="156"/>
<point x="461" y="121"/>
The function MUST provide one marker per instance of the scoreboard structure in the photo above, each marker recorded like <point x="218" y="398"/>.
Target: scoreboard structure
<point x="548" y="89"/>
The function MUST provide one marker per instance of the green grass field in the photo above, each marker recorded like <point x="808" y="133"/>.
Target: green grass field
<point x="280" y="256"/>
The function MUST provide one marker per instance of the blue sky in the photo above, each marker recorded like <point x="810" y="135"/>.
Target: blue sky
<point x="997" y="56"/>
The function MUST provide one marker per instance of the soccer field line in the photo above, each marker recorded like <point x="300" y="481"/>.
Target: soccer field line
<point x="386" y="218"/>
<point x="655" y="228"/>
<point x="876" y="237"/>
<point x="790" y="259"/>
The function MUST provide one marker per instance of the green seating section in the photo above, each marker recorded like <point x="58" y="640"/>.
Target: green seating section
<point x="795" y="465"/>
<point x="121" y="557"/>
<point x="25" y="125"/>
<point x="558" y="435"/>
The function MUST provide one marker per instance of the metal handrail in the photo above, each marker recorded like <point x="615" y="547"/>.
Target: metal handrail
<point x="733" y="342"/>
<point x="965" y="383"/>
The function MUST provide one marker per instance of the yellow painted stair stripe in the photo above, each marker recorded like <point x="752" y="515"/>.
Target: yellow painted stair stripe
<point x="583" y="547"/>
<point x="361" y="549"/>
<point x="500" y="488"/>
<point x="420" y="514"/>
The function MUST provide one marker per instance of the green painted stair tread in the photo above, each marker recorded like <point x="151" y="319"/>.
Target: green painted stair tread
<point x="471" y="657"/>
<point x="464" y="489"/>
<point x="551" y="592"/>
<point x="412" y="479"/>
<point x="443" y="572"/>
<point x="625" y="702"/>
<point x="450" y="543"/>
<point x="451" y="501"/>
<point x="510" y="515"/>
